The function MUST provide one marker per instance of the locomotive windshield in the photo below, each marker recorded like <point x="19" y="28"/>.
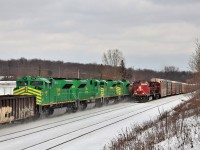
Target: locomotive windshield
<point x="37" y="83"/>
<point x="22" y="83"/>
<point x="140" y="83"/>
<point x="101" y="84"/>
<point x="118" y="84"/>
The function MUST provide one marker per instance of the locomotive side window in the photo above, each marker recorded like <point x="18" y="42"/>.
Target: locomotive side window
<point x="114" y="85"/>
<point x="95" y="83"/>
<point x="22" y="83"/>
<point x="82" y="86"/>
<point x="67" y="86"/>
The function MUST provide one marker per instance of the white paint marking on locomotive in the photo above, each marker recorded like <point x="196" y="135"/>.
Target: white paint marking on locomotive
<point x="4" y="114"/>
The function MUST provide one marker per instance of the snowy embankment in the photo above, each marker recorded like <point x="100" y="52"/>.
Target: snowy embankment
<point x="90" y="129"/>
<point x="186" y="138"/>
<point x="6" y="87"/>
<point x="176" y="129"/>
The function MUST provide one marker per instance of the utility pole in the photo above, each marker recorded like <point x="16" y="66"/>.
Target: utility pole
<point x="39" y="70"/>
<point x="59" y="71"/>
<point x="78" y="73"/>
<point x="101" y="69"/>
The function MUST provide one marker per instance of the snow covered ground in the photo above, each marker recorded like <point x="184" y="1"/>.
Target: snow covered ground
<point x="192" y="141"/>
<point x="90" y="129"/>
<point x="6" y="87"/>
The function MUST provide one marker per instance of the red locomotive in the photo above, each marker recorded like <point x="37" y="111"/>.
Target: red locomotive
<point x="156" y="88"/>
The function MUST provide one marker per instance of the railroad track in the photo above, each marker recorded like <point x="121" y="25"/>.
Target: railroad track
<point x="75" y="134"/>
<point x="64" y="122"/>
<point x="2" y="126"/>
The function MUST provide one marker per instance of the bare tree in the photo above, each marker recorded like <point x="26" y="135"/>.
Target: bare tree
<point x="113" y="57"/>
<point x="168" y="69"/>
<point x="195" y="59"/>
<point x="195" y="65"/>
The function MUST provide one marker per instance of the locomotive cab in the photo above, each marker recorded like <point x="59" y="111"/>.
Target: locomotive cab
<point x="141" y="88"/>
<point x="141" y="91"/>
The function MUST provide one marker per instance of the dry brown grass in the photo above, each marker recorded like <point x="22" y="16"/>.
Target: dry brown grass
<point x="167" y="125"/>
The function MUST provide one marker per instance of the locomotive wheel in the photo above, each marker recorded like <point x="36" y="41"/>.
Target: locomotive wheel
<point x="49" y="111"/>
<point x="157" y="96"/>
<point x="98" y="103"/>
<point x="37" y="116"/>
<point x="72" y="107"/>
<point x="116" y="100"/>
<point x="83" y="105"/>
<point x="150" y="98"/>
<point x="106" y="101"/>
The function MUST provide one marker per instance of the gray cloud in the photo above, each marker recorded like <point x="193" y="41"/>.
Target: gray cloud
<point x="176" y="2"/>
<point x="82" y="30"/>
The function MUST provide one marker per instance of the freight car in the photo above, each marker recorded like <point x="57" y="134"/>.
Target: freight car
<point x="74" y="94"/>
<point x="157" y="88"/>
<point x="13" y="108"/>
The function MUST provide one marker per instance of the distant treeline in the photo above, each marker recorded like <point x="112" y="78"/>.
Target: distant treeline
<point x="36" y="67"/>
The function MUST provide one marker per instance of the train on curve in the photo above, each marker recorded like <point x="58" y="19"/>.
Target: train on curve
<point x="52" y="93"/>
<point x="36" y="96"/>
<point x="156" y="88"/>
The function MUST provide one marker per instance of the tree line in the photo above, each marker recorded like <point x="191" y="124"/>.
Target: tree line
<point x="15" y="68"/>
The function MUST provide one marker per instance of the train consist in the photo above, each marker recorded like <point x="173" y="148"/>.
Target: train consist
<point x="156" y="88"/>
<point x="74" y="94"/>
<point x="36" y="96"/>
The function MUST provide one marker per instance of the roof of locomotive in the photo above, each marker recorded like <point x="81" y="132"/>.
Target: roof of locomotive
<point x="32" y="78"/>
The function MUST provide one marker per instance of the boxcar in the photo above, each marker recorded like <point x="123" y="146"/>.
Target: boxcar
<point x="163" y="86"/>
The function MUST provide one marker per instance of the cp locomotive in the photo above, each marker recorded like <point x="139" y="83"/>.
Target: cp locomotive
<point x="157" y="88"/>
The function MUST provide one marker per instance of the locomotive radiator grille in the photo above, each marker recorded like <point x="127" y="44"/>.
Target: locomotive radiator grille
<point x="118" y="90"/>
<point x="102" y="92"/>
<point x="29" y="91"/>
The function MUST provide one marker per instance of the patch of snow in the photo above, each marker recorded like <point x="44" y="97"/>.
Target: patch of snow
<point x="6" y="87"/>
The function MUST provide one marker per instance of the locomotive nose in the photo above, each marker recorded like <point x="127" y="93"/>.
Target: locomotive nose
<point x="140" y="88"/>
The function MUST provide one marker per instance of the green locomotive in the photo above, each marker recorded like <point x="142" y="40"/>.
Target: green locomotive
<point x="74" y="94"/>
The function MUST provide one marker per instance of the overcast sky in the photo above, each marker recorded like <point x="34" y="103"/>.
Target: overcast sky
<point x="150" y="33"/>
